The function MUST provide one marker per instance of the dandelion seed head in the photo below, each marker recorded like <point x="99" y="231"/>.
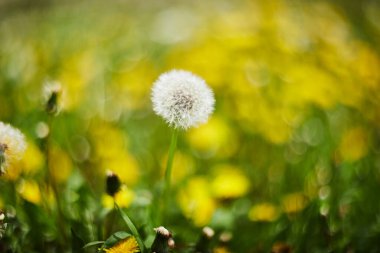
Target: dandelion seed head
<point x="12" y="145"/>
<point x="163" y="231"/>
<point x="52" y="92"/>
<point x="183" y="99"/>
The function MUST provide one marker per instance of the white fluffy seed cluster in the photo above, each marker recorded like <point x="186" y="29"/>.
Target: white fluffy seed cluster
<point x="183" y="99"/>
<point x="163" y="231"/>
<point x="12" y="145"/>
<point x="51" y="87"/>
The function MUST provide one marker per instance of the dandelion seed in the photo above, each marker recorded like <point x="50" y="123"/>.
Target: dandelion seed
<point x="183" y="99"/>
<point x="52" y="92"/>
<point x="12" y="146"/>
<point x="128" y="245"/>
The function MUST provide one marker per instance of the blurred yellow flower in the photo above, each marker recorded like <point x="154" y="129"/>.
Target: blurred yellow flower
<point x="133" y="85"/>
<point x="77" y="71"/>
<point x="354" y="144"/>
<point x="60" y="164"/>
<point x="30" y="191"/>
<point x="125" y="166"/>
<point x="183" y="166"/>
<point x="123" y="198"/>
<point x="110" y="146"/>
<point x="31" y="163"/>
<point x="213" y="137"/>
<point x="229" y="182"/>
<point x="263" y="212"/>
<point x="198" y="59"/>
<point x="221" y="250"/>
<point x="196" y="202"/>
<point x="294" y="202"/>
<point x="128" y="245"/>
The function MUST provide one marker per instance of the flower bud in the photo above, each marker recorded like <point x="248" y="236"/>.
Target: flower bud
<point x="113" y="184"/>
<point x="204" y="243"/>
<point x="162" y="241"/>
<point x="52" y="94"/>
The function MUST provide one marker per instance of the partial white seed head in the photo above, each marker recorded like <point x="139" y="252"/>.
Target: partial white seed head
<point x="12" y="145"/>
<point x="183" y="99"/>
<point x="53" y="96"/>
<point x="208" y="232"/>
<point x="163" y="231"/>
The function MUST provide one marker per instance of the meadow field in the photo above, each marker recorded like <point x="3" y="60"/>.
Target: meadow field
<point x="276" y="147"/>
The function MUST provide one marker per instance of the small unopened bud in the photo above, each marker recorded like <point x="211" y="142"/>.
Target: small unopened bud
<point x="171" y="243"/>
<point x="113" y="184"/>
<point x="2" y="225"/>
<point x="162" y="241"/>
<point x="225" y="237"/>
<point x="204" y="243"/>
<point x="208" y="232"/>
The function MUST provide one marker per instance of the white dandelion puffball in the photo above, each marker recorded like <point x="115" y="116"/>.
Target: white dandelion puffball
<point x="163" y="231"/>
<point x="183" y="99"/>
<point x="12" y="145"/>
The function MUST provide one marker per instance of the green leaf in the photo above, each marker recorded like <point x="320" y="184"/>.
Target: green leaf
<point x="131" y="227"/>
<point x="76" y="242"/>
<point x="115" y="238"/>
<point x="90" y="244"/>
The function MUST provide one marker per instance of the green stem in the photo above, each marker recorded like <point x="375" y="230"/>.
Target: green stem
<point x="169" y="165"/>
<point x="51" y="182"/>
<point x="168" y="172"/>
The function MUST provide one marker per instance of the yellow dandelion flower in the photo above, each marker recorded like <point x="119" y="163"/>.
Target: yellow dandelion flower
<point x="32" y="162"/>
<point x="263" y="212"/>
<point x="229" y="182"/>
<point x="221" y="250"/>
<point x="62" y="166"/>
<point x="127" y="245"/>
<point x="183" y="166"/>
<point x="215" y="137"/>
<point x="354" y="144"/>
<point x="196" y="202"/>
<point x="29" y="190"/>
<point x="123" y="198"/>
<point x="294" y="202"/>
<point x="111" y="148"/>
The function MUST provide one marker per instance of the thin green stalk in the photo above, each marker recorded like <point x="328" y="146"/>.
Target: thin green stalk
<point x="51" y="182"/>
<point x="169" y="165"/>
<point x="131" y="227"/>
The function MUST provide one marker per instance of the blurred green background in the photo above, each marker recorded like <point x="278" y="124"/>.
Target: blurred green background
<point x="290" y="158"/>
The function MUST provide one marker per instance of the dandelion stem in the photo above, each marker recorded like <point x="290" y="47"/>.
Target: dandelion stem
<point x="169" y="164"/>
